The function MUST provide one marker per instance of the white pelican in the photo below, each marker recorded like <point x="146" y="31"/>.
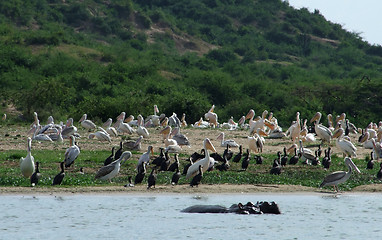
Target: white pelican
<point x="345" y="145"/>
<point x="294" y="130"/>
<point x="173" y="148"/>
<point x="277" y="133"/>
<point x="241" y="122"/>
<point x="130" y="120"/>
<point x="36" y="120"/>
<point x="309" y="137"/>
<point x="181" y="139"/>
<point x="56" y="136"/>
<point x="330" y="122"/>
<point x="205" y="162"/>
<point x="322" y="132"/>
<point x="164" y="122"/>
<point x="273" y="120"/>
<point x="27" y="164"/>
<point x="145" y="157"/>
<point x="155" y="119"/>
<point x="200" y="124"/>
<point x="256" y="142"/>
<point x="124" y="127"/>
<point x="86" y="123"/>
<point x="41" y="136"/>
<point x="305" y="154"/>
<point x="142" y="131"/>
<point x="304" y="129"/>
<point x="366" y="140"/>
<point x="372" y="132"/>
<point x="305" y="135"/>
<point x="250" y="115"/>
<point x="183" y="122"/>
<point x="109" y="129"/>
<point x="166" y="132"/>
<point x="50" y="120"/>
<point x="259" y="123"/>
<point x="212" y="117"/>
<point x="338" y="177"/>
<point x="341" y="118"/>
<point x="174" y="120"/>
<point x="229" y="125"/>
<point x="69" y="128"/>
<point x="71" y="152"/>
<point x="109" y="171"/>
<point x="45" y="129"/>
<point x="377" y="149"/>
<point x="101" y="135"/>
<point x="122" y="116"/>
<point x="228" y="142"/>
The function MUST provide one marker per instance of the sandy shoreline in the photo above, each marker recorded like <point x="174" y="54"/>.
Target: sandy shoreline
<point x="183" y="189"/>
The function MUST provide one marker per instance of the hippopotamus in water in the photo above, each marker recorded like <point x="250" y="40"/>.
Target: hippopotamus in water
<point x="249" y="208"/>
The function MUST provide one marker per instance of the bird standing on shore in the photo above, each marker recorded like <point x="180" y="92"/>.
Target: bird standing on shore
<point x="339" y="177"/>
<point x="245" y="161"/>
<point x="109" y="171"/>
<point x="60" y="176"/>
<point x="27" y="164"/>
<point x="175" y="177"/>
<point x="86" y="123"/>
<point x="72" y="152"/>
<point x="141" y="174"/>
<point x="197" y="178"/>
<point x="35" y="176"/>
<point x="152" y="179"/>
<point x="238" y="156"/>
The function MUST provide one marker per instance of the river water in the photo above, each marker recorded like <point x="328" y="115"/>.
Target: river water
<point x="326" y="216"/>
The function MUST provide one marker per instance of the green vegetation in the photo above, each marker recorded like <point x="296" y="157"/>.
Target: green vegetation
<point x="66" y="58"/>
<point x="91" y="161"/>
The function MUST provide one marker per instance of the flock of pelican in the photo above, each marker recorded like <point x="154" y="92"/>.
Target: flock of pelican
<point x="257" y="129"/>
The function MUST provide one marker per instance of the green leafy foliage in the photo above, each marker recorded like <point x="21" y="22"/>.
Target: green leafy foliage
<point x="106" y="57"/>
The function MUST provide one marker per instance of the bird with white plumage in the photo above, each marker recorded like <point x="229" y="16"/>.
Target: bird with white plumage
<point x="101" y="135"/>
<point x="86" y="123"/>
<point x="344" y="143"/>
<point x="212" y="117"/>
<point x="27" y="165"/>
<point x="142" y="130"/>
<point x="206" y="162"/>
<point x="110" y="129"/>
<point x="322" y="132"/>
<point x="225" y="142"/>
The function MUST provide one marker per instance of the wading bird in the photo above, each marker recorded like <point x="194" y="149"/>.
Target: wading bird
<point x="339" y="177"/>
<point x="27" y="164"/>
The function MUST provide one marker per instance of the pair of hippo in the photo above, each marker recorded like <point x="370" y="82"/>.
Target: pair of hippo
<point x="249" y="208"/>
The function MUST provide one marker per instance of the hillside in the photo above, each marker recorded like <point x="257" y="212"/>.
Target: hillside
<point x="66" y="57"/>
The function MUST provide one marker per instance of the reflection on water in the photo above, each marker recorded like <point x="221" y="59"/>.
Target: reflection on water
<point x="326" y="216"/>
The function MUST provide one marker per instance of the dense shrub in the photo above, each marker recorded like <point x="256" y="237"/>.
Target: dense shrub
<point x="104" y="57"/>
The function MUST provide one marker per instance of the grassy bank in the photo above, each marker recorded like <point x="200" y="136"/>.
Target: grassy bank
<point x="91" y="161"/>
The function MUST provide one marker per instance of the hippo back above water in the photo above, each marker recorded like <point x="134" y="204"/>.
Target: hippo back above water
<point x="249" y="208"/>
